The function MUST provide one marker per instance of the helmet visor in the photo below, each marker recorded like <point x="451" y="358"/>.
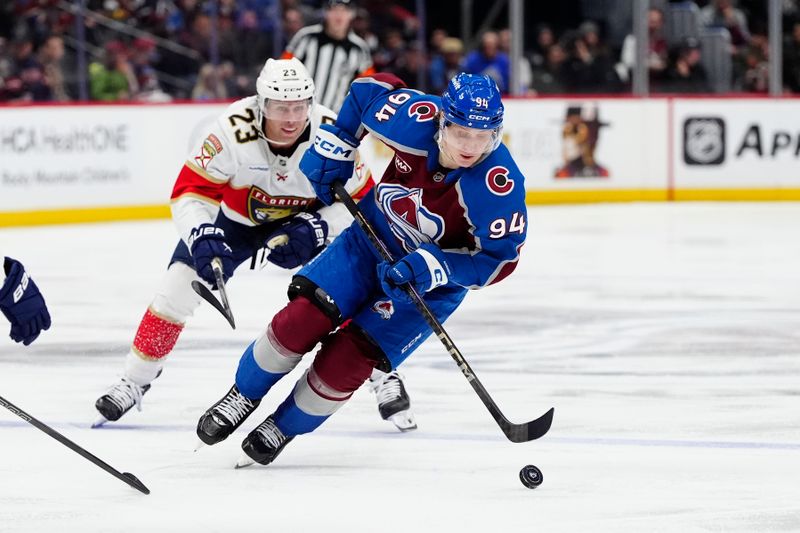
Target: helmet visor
<point x="468" y="142"/>
<point x="287" y="110"/>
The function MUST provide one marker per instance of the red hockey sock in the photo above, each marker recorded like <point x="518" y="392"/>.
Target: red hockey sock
<point x="156" y="336"/>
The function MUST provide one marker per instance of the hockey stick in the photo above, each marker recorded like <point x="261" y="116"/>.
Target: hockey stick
<point x="127" y="477"/>
<point x="223" y="306"/>
<point x="515" y="432"/>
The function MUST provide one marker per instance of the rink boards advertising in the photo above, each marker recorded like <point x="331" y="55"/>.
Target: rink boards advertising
<point x="114" y="162"/>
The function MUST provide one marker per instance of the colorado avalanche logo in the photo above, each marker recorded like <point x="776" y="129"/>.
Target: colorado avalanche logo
<point x="422" y="111"/>
<point x="498" y="181"/>
<point x="385" y="308"/>
<point x="410" y="221"/>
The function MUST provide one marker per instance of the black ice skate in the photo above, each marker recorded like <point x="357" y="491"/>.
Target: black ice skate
<point x="222" y="418"/>
<point x="394" y="404"/>
<point x="263" y="444"/>
<point x="119" y="399"/>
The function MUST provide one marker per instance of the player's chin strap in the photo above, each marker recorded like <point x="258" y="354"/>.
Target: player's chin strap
<point x="278" y="143"/>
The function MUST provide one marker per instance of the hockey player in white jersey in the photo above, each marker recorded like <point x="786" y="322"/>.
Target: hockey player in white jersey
<point x="21" y="302"/>
<point x="238" y="190"/>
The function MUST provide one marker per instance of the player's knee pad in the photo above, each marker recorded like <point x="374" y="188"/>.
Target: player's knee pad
<point x="301" y="286"/>
<point x="175" y="299"/>
<point x="344" y="362"/>
<point x="299" y="326"/>
<point x="272" y="356"/>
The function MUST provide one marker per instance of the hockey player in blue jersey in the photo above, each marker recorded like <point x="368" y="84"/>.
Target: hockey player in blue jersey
<point x="450" y="206"/>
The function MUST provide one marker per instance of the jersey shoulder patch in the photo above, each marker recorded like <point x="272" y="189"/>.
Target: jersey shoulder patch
<point x="404" y="119"/>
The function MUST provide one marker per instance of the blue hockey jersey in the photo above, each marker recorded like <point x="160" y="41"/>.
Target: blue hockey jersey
<point x="476" y="215"/>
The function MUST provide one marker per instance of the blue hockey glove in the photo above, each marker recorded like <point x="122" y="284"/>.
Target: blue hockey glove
<point x="206" y="242"/>
<point x="425" y="269"/>
<point x="22" y="303"/>
<point x="330" y="159"/>
<point x="304" y="237"/>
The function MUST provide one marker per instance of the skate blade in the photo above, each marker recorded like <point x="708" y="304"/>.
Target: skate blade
<point x="404" y="421"/>
<point x="244" y="461"/>
<point x="99" y="422"/>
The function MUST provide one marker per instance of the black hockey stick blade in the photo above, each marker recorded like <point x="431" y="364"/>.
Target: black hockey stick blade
<point x="530" y="431"/>
<point x="216" y="266"/>
<point x="208" y="296"/>
<point x="126" y="477"/>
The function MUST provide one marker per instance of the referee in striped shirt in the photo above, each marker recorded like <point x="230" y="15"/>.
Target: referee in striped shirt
<point x="333" y="54"/>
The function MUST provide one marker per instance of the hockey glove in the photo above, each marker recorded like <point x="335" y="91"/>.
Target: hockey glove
<point x="305" y="236"/>
<point x="206" y="242"/>
<point x="425" y="269"/>
<point x="330" y="159"/>
<point x="22" y="303"/>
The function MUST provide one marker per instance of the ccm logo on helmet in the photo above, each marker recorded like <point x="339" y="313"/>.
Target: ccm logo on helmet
<point x="498" y="181"/>
<point x="478" y="117"/>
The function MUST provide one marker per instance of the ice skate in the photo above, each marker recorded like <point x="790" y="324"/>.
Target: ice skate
<point x="394" y="404"/>
<point x="263" y="444"/>
<point x="222" y="418"/>
<point x="119" y="399"/>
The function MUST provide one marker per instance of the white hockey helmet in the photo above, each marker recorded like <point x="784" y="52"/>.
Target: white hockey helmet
<point x="284" y="79"/>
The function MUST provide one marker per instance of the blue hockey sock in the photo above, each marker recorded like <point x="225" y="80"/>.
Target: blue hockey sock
<point x="292" y="420"/>
<point x="253" y="381"/>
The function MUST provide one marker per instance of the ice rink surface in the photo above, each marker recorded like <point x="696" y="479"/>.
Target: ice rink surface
<point x="665" y="335"/>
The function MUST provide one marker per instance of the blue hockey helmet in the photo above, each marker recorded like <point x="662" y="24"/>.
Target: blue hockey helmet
<point x="473" y="101"/>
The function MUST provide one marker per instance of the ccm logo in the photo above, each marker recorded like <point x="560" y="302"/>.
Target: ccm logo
<point x="329" y="147"/>
<point x="478" y="117"/>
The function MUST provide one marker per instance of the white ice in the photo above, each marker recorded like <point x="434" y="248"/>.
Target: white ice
<point x="665" y="335"/>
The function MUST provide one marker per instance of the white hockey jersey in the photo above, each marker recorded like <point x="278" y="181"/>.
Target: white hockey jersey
<point x="232" y="168"/>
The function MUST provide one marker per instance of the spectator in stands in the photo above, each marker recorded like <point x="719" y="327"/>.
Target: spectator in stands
<point x="149" y="89"/>
<point x="657" y="49"/>
<point x="791" y="60"/>
<point x="584" y="71"/>
<point x="252" y="45"/>
<point x="447" y="64"/>
<point x="686" y="74"/>
<point x="545" y="38"/>
<point x="489" y="60"/>
<point x="390" y="50"/>
<point x="209" y="85"/>
<point x="723" y="14"/>
<point x="361" y="27"/>
<point x="292" y="22"/>
<point x="142" y="56"/>
<point x="524" y="67"/>
<point x="546" y="78"/>
<point x="756" y="65"/>
<point x="112" y="78"/>
<point x="50" y="55"/>
<point x="409" y="63"/>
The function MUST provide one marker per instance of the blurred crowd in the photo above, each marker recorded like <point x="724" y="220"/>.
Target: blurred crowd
<point x="160" y="50"/>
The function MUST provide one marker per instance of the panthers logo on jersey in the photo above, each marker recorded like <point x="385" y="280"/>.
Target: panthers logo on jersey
<point x="411" y="222"/>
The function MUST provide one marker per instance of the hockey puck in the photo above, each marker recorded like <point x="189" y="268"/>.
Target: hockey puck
<point x="530" y="476"/>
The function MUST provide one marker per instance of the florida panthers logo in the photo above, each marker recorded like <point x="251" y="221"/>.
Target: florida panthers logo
<point x="498" y="181"/>
<point x="411" y="222"/>
<point x="385" y="308"/>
